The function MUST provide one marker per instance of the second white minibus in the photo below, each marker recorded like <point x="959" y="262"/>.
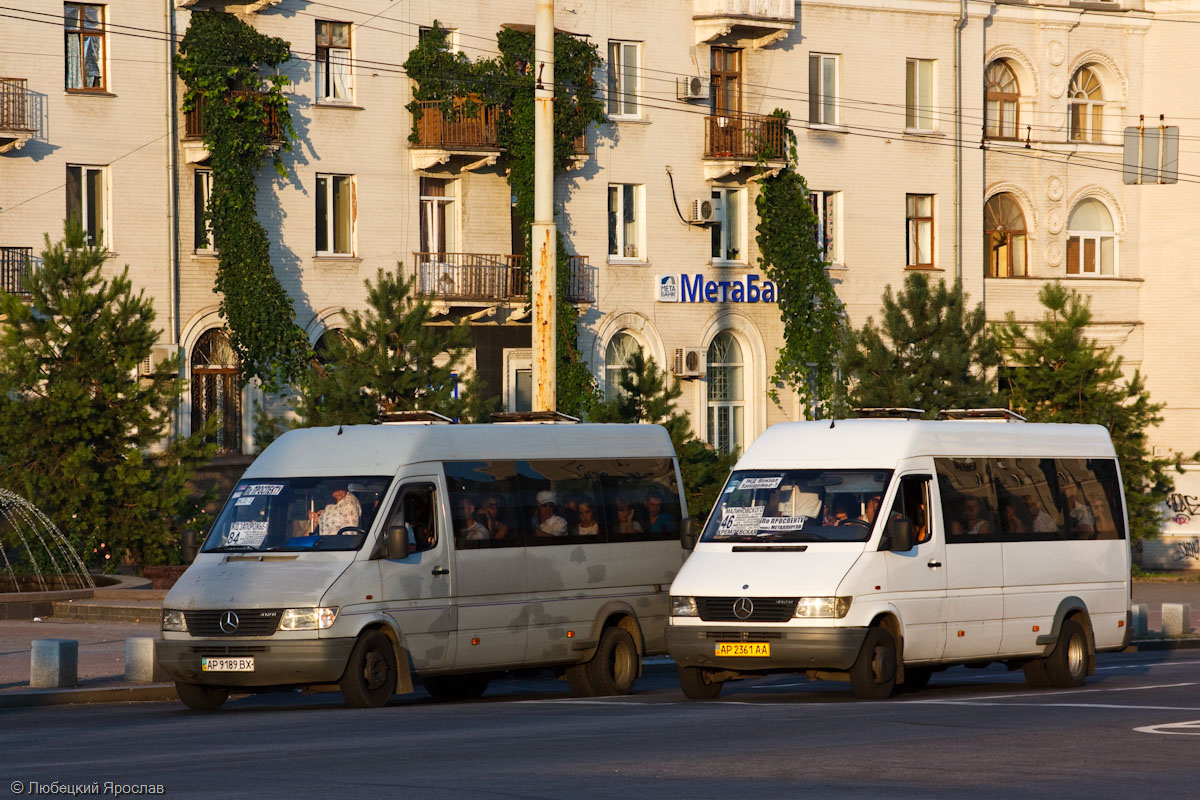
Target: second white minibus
<point x="879" y="550"/>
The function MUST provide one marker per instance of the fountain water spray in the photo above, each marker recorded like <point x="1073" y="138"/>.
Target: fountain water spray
<point x="34" y="554"/>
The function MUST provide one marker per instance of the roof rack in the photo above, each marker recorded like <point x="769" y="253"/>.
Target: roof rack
<point x="890" y="413"/>
<point x="995" y="414"/>
<point x="533" y="416"/>
<point x="427" y="417"/>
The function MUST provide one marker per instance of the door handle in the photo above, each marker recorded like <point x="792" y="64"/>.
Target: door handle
<point x="440" y="571"/>
<point x="934" y="564"/>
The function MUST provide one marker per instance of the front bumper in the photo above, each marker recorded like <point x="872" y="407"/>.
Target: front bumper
<point x="791" y="649"/>
<point x="276" y="662"/>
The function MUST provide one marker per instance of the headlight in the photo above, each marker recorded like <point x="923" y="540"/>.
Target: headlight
<point x="808" y="607"/>
<point x="684" y="607"/>
<point x="173" y="621"/>
<point x="307" y="619"/>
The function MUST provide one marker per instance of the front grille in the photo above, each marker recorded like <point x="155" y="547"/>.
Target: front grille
<point x="766" y="609"/>
<point x="230" y="650"/>
<point x="743" y="636"/>
<point x="250" y="622"/>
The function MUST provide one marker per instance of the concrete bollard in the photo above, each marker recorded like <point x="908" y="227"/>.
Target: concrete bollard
<point x="1176" y="618"/>
<point x="1141" y="624"/>
<point x="141" y="663"/>
<point x="53" y="663"/>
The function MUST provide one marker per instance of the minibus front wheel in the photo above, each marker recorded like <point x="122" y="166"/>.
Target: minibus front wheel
<point x="696" y="684"/>
<point x="370" y="677"/>
<point x="873" y="676"/>
<point x="201" y="698"/>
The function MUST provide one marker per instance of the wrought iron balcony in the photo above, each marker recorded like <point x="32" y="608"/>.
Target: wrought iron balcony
<point x="491" y="278"/>
<point x="17" y="123"/>
<point x="745" y="137"/>
<point x="15" y="264"/>
<point x="760" y="21"/>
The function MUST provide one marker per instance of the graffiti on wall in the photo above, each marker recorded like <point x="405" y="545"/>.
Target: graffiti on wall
<point x="1183" y="507"/>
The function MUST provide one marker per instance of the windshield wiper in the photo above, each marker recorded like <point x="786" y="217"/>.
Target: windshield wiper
<point x="234" y="548"/>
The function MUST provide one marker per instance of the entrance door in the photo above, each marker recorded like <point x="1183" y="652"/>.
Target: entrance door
<point x="416" y="585"/>
<point x="917" y="578"/>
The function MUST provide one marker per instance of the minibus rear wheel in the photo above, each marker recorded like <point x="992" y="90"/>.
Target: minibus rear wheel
<point x="370" y="677"/>
<point x="873" y="676"/>
<point x="696" y="685"/>
<point x="614" y="667"/>
<point x="1067" y="664"/>
<point x="201" y="698"/>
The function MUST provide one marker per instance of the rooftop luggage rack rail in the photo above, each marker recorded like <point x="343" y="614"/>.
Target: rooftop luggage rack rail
<point x="533" y="416"/>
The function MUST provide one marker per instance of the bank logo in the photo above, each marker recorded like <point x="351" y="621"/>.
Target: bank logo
<point x="667" y="289"/>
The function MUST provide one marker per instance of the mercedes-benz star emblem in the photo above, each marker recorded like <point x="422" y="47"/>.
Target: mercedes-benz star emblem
<point x="229" y="622"/>
<point x="743" y="607"/>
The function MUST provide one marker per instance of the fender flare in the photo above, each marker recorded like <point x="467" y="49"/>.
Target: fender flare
<point x="1070" y="606"/>
<point x="628" y="620"/>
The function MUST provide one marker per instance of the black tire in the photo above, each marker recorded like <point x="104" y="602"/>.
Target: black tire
<point x="873" y="676"/>
<point x="370" y="678"/>
<point x="696" y="685"/>
<point x="455" y="687"/>
<point x="615" y="665"/>
<point x="916" y="678"/>
<point x="577" y="679"/>
<point x="1067" y="664"/>
<point x="1035" y="673"/>
<point x="201" y="698"/>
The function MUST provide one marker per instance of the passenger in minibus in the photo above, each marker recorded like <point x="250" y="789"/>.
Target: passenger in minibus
<point x="467" y="527"/>
<point x="656" y="520"/>
<point x="547" y="522"/>
<point x="1042" y="522"/>
<point x="845" y="510"/>
<point x="626" y="524"/>
<point x="1014" y="517"/>
<point x="973" y="523"/>
<point x="343" y="512"/>
<point x="588" y="524"/>
<point x="491" y="517"/>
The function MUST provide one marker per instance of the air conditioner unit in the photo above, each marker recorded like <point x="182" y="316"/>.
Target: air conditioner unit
<point x="706" y="209"/>
<point x="691" y="88"/>
<point x="690" y="362"/>
<point x="158" y="354"/>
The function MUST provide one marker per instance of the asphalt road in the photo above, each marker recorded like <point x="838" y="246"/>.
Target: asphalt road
<point x="973" y="733"/>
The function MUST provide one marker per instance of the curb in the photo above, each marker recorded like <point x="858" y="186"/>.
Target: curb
<point x="143" y="693"/>
<point x="1188" y="643"/>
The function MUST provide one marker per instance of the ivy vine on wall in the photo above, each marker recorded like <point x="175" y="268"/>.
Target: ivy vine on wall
<point x="224" y="62"/>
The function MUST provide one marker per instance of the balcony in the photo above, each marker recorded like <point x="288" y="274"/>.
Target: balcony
<point x="16" y="114"/>
<point x="757" y="23"/>
<point x="467" y="136"/>
<point x="193" y="129"/>
<point x="15" y="263"/>
<point x="736" y="141"/>
<point x="491" y="278"/>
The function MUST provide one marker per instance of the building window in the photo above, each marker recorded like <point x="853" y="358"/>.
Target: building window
<point x="726" y="80"/>
<point x="86" y="201"/>
<point x="826" y="207"/>
<point x="335" y="215"/>
<point x="624" y="66"/>
<point x="1004" y="237"/>
<point x="1001" y="97"/>
<point x="202" y="238"/>
<point x="333" y="61"/>
<point x="438" y="231"/>
<point x="822" y="89"/>
<point x="84" y="27"/>
<point x="919" y="95"/>
<point x="1091" y="241"/>
<point x="726" y="393"/>
<point x="1087" y="106"/>
<point x="616" y="361"/>
<point x="626" y="204"/>
<point x="217" y="390"/>
<point x="729" y="232"/>
<point x="919" y="230"/>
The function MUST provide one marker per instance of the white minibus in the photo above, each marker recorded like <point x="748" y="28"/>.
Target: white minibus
<point x="358" y="557"/>
<point x="877" y="551"/>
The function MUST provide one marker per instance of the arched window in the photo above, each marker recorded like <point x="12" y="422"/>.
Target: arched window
<point x="616" y="361"/>
<point x="1091" y="240"/>
<point x="327" y="341"/>
<point x="1087" y="106"/>
<point x="217" y="389"/>
<point x="726" y="393"/>
<point x="1001" y="97"/>
<point x="1004" y="237"/>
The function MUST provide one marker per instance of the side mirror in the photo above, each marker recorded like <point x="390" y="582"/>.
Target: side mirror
<point x="395" y="542"/>
<point x="898" y="536"/>
<point x="688" y="534"/>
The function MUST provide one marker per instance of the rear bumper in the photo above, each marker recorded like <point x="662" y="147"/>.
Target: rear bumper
<point x="791" y="649"/>
<point x="276" y="663"/>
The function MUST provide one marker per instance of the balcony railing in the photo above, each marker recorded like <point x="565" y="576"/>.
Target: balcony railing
<point x="15" y="263"/>
<point x="16" y="111"/>
<point x="744" y="137"/>
<point x="462" y="129"/>
<point x="492" y="277"/>
<point x="193" y="121"/>
<point x="766" y="10"/>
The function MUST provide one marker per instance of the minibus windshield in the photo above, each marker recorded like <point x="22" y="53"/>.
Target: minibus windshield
<point x="294" y="514"/>
<point x="802" y="505"/>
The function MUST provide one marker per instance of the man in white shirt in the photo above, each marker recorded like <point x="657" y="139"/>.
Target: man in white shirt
<point x="547" y="523"/>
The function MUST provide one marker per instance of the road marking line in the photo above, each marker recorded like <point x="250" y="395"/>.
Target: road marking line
<point x="1150" y="666"/>
<point x="1191" y="728"/>
<point x="1064" y="691"/>
<point x="1069" y="705"/>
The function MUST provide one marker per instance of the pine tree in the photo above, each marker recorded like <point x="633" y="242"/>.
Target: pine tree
<point x="644" y="395"/>
<point x="389" y="358"/>
<point x="930" y="352"/>
<point x="1062" y="376"/>
<point x="82" y="436"/>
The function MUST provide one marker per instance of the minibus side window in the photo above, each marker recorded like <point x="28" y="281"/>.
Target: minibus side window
<point x="485" y="504"/>
<point x="414" y="512"/>
<point x="912" y="504"/>
<point x="968" y="500"/>
<point x="1087" y="489"/>
<point x="640" y="498"/>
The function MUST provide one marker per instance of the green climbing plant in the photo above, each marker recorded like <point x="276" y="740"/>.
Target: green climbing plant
<point x="789" y="253"/>
<point x="226" y="66"/>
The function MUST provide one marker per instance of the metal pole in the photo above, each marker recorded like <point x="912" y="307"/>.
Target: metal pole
<point x="545" y="233"/>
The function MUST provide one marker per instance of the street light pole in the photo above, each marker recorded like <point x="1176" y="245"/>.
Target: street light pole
<point x="544" y="234"/>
